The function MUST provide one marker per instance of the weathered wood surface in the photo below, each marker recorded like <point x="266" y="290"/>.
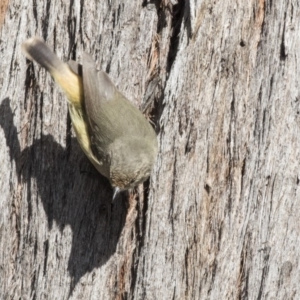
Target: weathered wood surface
<point x="220" y="219"/>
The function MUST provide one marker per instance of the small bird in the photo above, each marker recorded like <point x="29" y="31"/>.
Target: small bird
<point x="113" y="133"/>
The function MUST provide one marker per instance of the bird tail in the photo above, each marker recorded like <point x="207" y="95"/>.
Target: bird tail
<point x="71" y="83"/>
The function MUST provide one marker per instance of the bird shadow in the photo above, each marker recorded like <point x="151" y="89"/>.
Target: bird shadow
<point x="72" y="193"/>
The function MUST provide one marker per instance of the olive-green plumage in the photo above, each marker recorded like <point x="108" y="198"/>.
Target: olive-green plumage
<point x="114" y="134"/>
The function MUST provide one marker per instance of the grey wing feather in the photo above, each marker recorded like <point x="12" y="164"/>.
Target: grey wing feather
<point x="75" y="67"/>
<point x="99" y="94"/>
<point x="110" y="114"/>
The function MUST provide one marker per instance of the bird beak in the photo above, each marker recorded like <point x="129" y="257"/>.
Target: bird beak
<point x="116" y="192"/>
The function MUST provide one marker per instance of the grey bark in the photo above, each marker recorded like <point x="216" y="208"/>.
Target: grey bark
<point x="219" y="218"/>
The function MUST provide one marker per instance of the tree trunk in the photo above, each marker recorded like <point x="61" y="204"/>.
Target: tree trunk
<point x="219" y="218"/>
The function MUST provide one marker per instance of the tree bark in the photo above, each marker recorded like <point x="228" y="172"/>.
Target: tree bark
<point x="219" y="218"/>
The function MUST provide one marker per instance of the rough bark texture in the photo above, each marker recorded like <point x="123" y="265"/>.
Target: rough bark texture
<point x="220" y="217"/>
